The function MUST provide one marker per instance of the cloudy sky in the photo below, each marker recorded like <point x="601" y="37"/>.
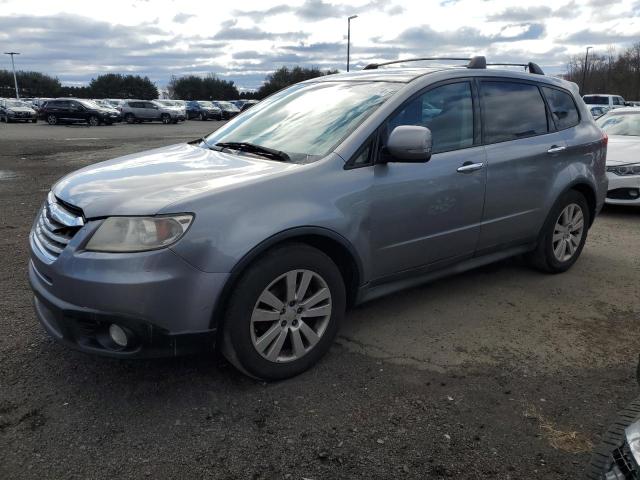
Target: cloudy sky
<point x="243" y="40"/>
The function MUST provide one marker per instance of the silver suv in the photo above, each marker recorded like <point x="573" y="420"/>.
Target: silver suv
<point x="138" y="111"/>
<point x="329" y="193"/>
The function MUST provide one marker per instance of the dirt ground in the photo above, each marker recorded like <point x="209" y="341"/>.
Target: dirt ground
<point x="502" y="372"/>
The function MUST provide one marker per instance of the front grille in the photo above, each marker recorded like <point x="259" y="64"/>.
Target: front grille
<point x="56" y="226"/>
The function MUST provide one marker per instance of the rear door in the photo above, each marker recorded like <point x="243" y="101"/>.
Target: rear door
<point x="151" y="111"/>
<point x="523" y="156"/>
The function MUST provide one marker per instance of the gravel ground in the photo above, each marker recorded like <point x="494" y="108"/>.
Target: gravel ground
<point x="498" y="373"/>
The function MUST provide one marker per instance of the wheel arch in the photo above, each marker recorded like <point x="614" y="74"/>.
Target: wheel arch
<point x="334" y="245"/>
<point x="589" y="193"/>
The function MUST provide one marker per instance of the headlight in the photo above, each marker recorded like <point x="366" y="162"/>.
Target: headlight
<point x="630" y="169"/>
<point x="137" y="234"/>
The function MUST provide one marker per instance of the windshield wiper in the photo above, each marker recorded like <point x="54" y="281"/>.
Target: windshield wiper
<point x="257" y="149"/>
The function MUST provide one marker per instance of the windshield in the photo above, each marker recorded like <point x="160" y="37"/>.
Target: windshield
<point x="227" y="106"/>
<point x="307" y="121"/>
<point x="89" y="104"/>
<point x="205" y="104"/>
<point x="596" y="100"/>
<point x="620" y="124"/>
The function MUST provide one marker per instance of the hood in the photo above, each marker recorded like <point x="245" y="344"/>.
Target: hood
<point x="144" y="183"/>
<point x="623" y="149"/>
<point x="21" y="109"/>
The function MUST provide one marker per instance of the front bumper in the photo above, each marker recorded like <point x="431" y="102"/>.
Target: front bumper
<point x="623" y="190"/>
<point x="22" y="116"/>
<point x="166" y="304"/>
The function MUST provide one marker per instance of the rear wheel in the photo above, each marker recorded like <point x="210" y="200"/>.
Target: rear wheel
<point x="203" y="117"/>
<point x="94" y="121"/>
<point x="165" y="118"/>
<point x="129" y="118"/>
<point x="284" y="313"/>
<point x="52" y="119"/>
<point x="564" y="234"/>
<point x="34" y="120"/>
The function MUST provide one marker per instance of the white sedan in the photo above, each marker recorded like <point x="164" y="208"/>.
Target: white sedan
<point x="622" y="125"/>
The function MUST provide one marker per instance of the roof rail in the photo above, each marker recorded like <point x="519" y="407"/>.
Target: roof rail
<point x="531" y="67"/>
<point x="373" y="66"/>
<point x="478" y="62"/>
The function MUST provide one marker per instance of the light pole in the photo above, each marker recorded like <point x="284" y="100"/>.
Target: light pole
<point x="584" y="70"/>
<point x="349" y="37"/>
<point x="15" y="79"/>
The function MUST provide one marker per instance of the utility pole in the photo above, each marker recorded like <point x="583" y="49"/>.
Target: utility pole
<point x="584" y="71"/>
<point x="349" y="37"/>
<point x="15" y="79"/>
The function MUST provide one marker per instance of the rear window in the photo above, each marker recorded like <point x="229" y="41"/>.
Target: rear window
<point x="596" y="100"/>
<point x="511" y="111"/>
<point x="563" y="108"/>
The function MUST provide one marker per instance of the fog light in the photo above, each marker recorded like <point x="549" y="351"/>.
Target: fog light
<point x="118" y="335"/>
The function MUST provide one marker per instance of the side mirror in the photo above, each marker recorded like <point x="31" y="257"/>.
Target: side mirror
<point x="409" y="143"/>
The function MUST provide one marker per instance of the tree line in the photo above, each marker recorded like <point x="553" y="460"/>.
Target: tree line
<point x="115" y="85"/>
<point x="611" y="72"/>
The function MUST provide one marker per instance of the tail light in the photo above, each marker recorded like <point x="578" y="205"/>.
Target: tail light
<point x="605" y="139"/>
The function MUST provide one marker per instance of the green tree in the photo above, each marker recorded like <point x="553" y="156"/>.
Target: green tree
<point x="193" y="87"/>
<point x="30" y="84"/>
<point x="283" y="77"/>
<point x="116" y="85"/>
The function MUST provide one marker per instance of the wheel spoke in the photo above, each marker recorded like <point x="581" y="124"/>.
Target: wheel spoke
<point x="557" y="237"/>
<point x="276" y="348"/>
<point x="265" y="340"/>
<point x="575" y="241"/>
<point x="296" y="341"/>
<point x="319" y="296"/>
<point x="304" y="285"/>
<point x="559" y="250"/>
<point x="261" y="315"/>
<point x="291" y="280"/>
<point x="311" y="336"/>
<point x="271" y="300"/>
<point x="317" y="312"/>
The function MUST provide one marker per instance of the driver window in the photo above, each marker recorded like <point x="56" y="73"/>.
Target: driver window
<point x="447" y="111"/>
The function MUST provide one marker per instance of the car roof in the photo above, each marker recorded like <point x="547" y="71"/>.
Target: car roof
<point x="617" y="111"/>
<point x="406" y="75"/>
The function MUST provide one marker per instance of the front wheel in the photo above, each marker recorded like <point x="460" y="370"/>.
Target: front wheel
<point x="564" y="234"/>
<point x="165" y="118"/>
<point x="284" y="313"/>
<point x="203" y="117"/>
<point x="129" y="118"/>
<point x="94" y="121"/>
<point x="34" y="120"/>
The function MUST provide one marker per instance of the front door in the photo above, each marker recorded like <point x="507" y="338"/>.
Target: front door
<point x="429" y="213"/>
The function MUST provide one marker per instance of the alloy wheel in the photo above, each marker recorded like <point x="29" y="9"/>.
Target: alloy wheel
<point x="290" y="316"/>
<point x="94" y="121"/>
<point x="568" y="232"/>
<point x="52" y="120"/>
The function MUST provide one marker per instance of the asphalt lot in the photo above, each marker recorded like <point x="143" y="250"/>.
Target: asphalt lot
<point x="498" y="373"/>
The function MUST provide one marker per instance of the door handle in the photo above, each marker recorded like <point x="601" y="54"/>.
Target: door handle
<point x="556" y="149"/>
<point x="468" y="167"/>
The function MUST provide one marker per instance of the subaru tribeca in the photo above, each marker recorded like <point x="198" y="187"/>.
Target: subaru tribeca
<point x="334" y="191"/>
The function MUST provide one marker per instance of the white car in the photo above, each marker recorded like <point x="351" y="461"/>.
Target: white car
<point x="623" y="155"/>
<point x="610" y="102"/>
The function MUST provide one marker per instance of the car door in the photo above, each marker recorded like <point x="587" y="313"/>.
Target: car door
<point x="523" y="152"/>
<point x="429" y="213"/>
<point x="152" y="112"/>
<point x="77" y="112"/>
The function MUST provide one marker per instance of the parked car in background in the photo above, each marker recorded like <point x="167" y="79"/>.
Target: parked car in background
<point x="229" y="110"/>
<point x="203" y="110"/>
<point x="604" y="100"/>
<point x="622" y="125"/>
<point x="258" y="236"/>
<point x="598" y="111"/>
<point x="115" y="102"/>
<point x="39" y="102"/>
<point x="17" y="111"/>
<point x="139" y="111"/>
<point x="248" y="104"/>
<point x="110" y="108"/>
<point x="176" y="104"/>
<point x="617" y="457"/>
<point x="73" y="110"/>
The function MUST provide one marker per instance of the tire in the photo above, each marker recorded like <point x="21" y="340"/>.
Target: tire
<point x="52" y="119"/>
<point x="315" y="333"/>
<point x="165" y="118"/>
<point x="93" y="121"/>
<point x="601" y="459"/>
<point x="203" y="117"/>
<point x="129" y="118"/>
<point x="544" y="258"/>
<point x="34" y="120"/>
